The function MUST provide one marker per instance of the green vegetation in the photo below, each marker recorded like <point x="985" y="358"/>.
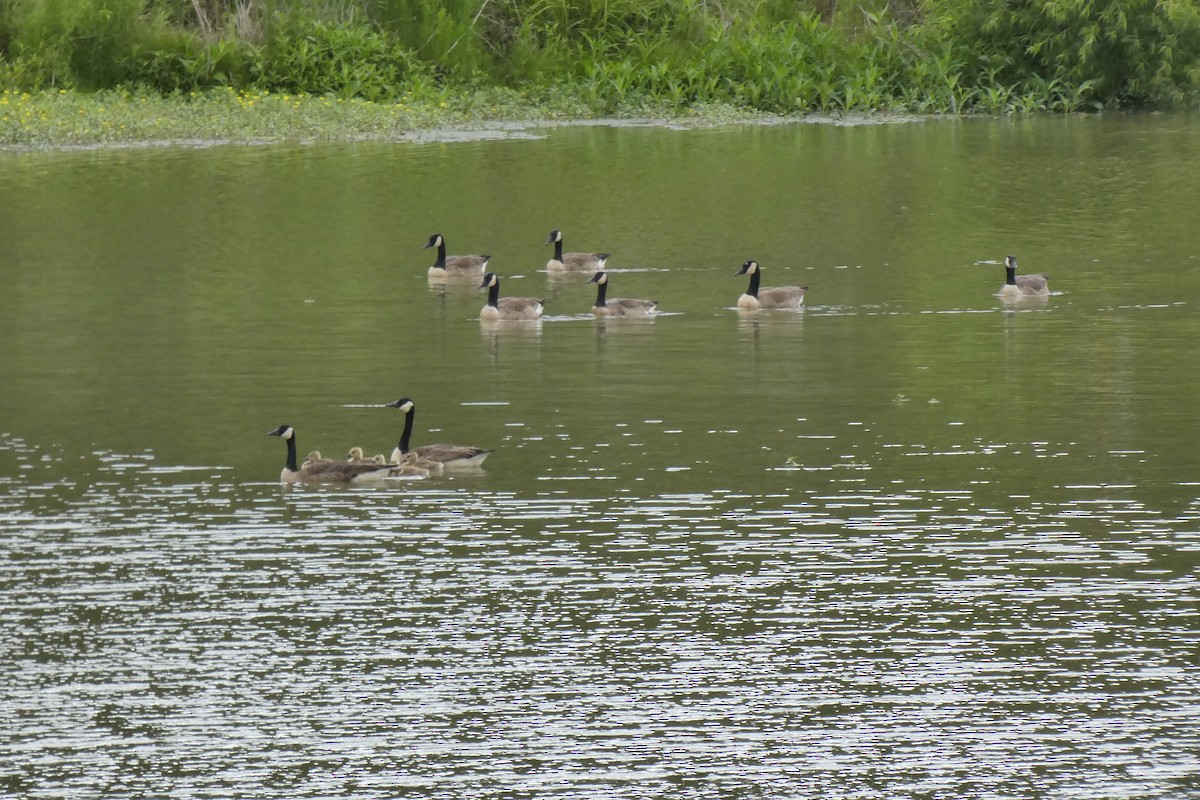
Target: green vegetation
<point x="63" y="118"/>
<point x="605" y="57"/>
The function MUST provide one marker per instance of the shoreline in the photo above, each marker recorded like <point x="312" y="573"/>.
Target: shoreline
<point x="75" y="121"/>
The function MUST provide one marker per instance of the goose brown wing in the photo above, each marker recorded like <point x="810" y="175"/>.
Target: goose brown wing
<point x="472" y="264"/>
<point x="329" y="471"/>
<point x="520" y="306"/>
<point x="781" y="297"/>
<point x="630" y="307"/>
<point x="583" y="261"/>
<point x="448" y="452"/>
<point x="1032" y="283"/>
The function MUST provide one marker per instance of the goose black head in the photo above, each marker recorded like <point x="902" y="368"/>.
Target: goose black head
<point x="599" y="277"/>
<point x="489" y="280"/>
<point x="404" y="404"/>
<point x="555" y="236"/>
<point x="434" y="241"/>
<point x="750" y="266"/>
<point x="1010" y="261"/>
<point x="283" y="431"/>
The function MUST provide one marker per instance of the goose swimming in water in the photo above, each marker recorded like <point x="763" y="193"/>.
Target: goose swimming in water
<point x="356" y="456"/>
<point x="618" y="306"/>
<point x="448" y="455"/>
<point x="454" y="266"/>
<point x="1017" y="286"/>
<point x="507" y="308"/>
<point x="572" y="262"/>
<point x="322" y="470"/>
<point x="756" y="296"/>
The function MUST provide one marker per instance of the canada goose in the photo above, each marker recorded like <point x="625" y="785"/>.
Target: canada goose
<point x="448" y="455"/>
<point x="508" y="307"/>
<point x="454" y="266"/>
<point x="757" y="297"/>
<point x="618" y="306"/>
<point x="1015" y="285"/>
<point x="356" y="456"/>
<point x="407" y="468"/>
<point x="572" y="262"/>
<point x="408" y="471"/>
<point x="411" y="467"/>
<point x="322" y="470"/>
<point x="411" y="459"/>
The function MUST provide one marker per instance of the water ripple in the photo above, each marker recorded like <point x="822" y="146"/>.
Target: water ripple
<point x="169" y="634"/>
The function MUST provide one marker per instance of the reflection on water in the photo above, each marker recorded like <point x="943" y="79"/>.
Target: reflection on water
<point x="568" y="279"/>
<point x="443" y="285"/>
<point x="494" y="328"/>
<point x="208" y="636"/>
<point x="907" y="542"/>
<point x="619" y="326"/>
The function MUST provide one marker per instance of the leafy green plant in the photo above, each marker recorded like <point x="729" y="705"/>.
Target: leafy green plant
<point x="1114" y="52"/>
<point x="182" y="62"/>
<point x="778" y="56"/>
<point x="351" y="60"/>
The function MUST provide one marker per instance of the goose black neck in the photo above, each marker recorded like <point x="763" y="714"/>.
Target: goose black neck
<point x="754" y="279"/>
<point x="408" y="423"/>
<point x="558" y="250"/>
<point x="494" y="294"/>
<point x="291" y="461"/>
<point x="601" y="292"/>
<point x="441" y="259"/>
<point x="1010" y="278"/>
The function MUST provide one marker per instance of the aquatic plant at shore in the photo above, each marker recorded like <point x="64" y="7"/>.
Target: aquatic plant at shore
<point x="66" y="118"/>
<point x="771" y="56"/>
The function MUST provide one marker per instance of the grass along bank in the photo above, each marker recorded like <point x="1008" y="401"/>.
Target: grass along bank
<point x="63" y="118"/>
<point x="783" y="57"/>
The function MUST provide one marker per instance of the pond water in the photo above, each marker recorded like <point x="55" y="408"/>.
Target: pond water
<point x="907" y="542"/>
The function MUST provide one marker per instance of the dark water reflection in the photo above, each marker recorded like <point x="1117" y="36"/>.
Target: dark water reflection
<point x="209" y="637"/>
<point x="907" y="543"/>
